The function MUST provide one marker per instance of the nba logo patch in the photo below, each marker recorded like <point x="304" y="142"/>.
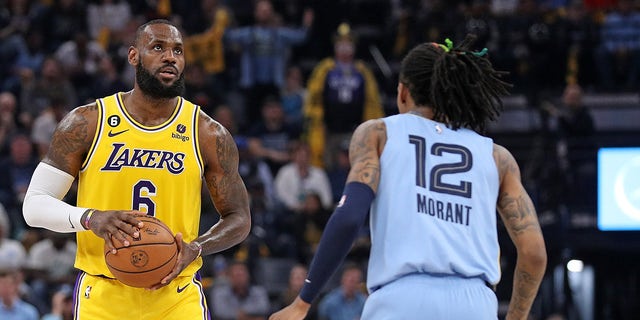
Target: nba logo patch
<point x="87" y="291"/>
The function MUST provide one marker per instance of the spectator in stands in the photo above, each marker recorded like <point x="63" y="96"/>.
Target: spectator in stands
<point x="63" y="19"/>
<point x="298" y="178"/>
<point x="117" y="47"/>
<point x="264" y="47"/>
<point x="61" y="305"/>
<point x="270" y="234"/>
<point x="239" y="299"/>
<point x="219" y="270"/>
<point x="577" y="147"/>
<point x="16" y="171"/>
<point x="18" y="21"/>
<point x="25" y="60"/>
<point x="619" y="53"/>
<point x="50" y="263"/>
<point x="80" y="59"/>
<point x="347" y="301"/>
<point x="270" y="138"/>
<point x="199" y="89"/>
<point x="296" y="280"/>
<point x="206" y="49"/>
<point x="11" y="305"/>
<point x="308" y="226"/>
<point x="293" y="94"/>
<point x="342" y="93"/>
<point x="107" y="17"/>
<point x="228" y="119"/>
<point x="45" y="124"/>
<point x="38" y="92"/>
<point x="13" y="257"/>
<point x="8" y="120"/>
<point x="109" y="80"/>
<point x="12" y="253"/>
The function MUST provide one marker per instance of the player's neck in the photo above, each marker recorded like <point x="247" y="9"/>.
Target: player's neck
<point x="147" y="110"/>
<point x="425" y="112"/>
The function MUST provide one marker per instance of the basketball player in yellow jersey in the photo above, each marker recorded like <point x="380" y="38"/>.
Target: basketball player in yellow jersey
<point x="145" y="151"/>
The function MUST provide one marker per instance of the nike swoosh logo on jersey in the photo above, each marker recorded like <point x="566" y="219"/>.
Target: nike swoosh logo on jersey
<point x="113" y="134"/>
<point x="71" y="223"/>
<point x="182" y="289"/>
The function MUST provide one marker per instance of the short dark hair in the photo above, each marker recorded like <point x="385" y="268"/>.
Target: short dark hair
<point x="141" y="28"/>
<point x="460" y="85"/>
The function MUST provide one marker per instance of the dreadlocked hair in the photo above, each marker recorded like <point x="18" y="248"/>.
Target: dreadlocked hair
<point x="460" y="85"/>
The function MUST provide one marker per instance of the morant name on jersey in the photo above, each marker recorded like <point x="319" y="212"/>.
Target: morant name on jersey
<point x="122" y="156"/>
<point x="444" y="210"/>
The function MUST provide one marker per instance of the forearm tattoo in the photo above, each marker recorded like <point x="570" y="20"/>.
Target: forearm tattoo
<point x="524" y="292"/>
<point x="226" y="188"/>
<point x="518" y="212"/>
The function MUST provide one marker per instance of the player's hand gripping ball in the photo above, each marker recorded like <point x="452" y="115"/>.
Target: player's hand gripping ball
<point x="148" y="259"/>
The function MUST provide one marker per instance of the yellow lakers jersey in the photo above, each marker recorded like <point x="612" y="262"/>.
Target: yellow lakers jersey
<point x="130" y="166"/>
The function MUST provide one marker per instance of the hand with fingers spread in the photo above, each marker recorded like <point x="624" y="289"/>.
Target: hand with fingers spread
<point x="114" y="225"/>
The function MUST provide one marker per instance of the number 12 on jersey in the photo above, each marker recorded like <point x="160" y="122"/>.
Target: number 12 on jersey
<point x="438" y="172"/>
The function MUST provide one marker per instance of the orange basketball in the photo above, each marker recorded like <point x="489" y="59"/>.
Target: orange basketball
<point x="147" y="259"/>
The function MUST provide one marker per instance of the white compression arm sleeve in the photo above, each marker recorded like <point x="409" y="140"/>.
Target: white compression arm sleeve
<point x="43" y="206"/>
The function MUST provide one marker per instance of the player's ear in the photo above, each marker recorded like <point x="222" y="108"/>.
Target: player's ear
<point x="133" y="56"/>
<point x="403" y="93"/>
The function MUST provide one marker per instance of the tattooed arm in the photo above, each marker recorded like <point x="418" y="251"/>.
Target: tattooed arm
<point x="364" y="153"/>
<point x="72" y="139"/>
<point x="43" y="205"/>
<point x="228" y="192"/>
<point x="226" y="188"/>
<point x="519" y="217"/>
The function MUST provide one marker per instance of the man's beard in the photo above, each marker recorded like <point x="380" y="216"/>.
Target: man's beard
<point x="153" y="87"/>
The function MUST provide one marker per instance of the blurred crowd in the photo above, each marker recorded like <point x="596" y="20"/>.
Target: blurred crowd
<point x="290" y="80"/>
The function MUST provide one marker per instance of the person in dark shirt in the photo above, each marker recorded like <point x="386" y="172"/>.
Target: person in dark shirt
<point x="271" y="138"/>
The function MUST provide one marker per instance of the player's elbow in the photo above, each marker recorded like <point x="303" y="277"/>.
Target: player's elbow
<point x="244" y="229"/>
<point x="534" y="254"/>
<point x="29" y="212"/>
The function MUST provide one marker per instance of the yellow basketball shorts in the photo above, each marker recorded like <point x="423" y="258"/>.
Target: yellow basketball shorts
<point x="98" y="297"/>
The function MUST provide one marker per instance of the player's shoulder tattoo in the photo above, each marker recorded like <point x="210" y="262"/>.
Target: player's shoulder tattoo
<point x="72" y="137"/>
<point x="364" y="152"/>
<point x="505" y="161"/>
<point x="370" y="134"/>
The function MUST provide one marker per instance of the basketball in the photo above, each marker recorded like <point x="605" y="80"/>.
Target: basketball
<point x="148" y="259"/>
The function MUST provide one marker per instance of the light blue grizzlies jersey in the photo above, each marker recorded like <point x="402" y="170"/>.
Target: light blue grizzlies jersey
<point x="435" y="209"/>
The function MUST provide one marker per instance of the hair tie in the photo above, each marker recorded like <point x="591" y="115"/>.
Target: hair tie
<point x="480" y="53"/>
<point x="448" y="46"/>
